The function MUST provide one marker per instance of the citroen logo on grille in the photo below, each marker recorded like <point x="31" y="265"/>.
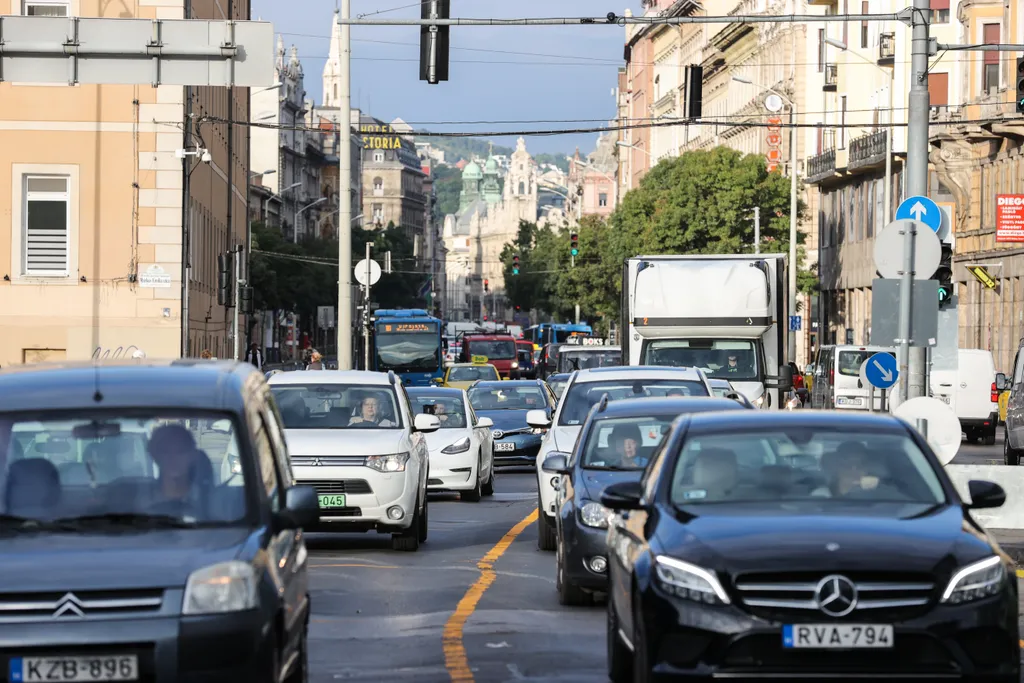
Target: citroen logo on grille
<point x="68" y="606"/>
<point x="316" y="462"/>
<point x="836" y="595"/>
<point x="498" y="433"/>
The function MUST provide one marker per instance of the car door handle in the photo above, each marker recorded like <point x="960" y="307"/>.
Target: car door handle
<point x="945" y="385"/>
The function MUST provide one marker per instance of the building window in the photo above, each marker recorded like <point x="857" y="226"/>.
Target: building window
<point x="378" y="213"/>
<point x="378" y="186"/>
<point x="46" y="8"/>
<point x="602" y="199"/>
<point x="938" y="89"/>
<point x="863" y="25"/>
<point x="46" y="225"/>
<point x="940" y="11"/>
<point x="378" y="157"/>
<point x="990" y="61"/>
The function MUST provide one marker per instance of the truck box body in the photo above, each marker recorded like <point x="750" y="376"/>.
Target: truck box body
<point x="705" y="310"/>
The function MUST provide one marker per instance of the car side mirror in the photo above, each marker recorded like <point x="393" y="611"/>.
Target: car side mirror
<point x="426" y="423"/>
<point x="985" y="494"/>
<point x="1001" y="383"/>
<point x="485" y="422"/>
<point x="538" y="419"/>
<point x="784" y="381"/>
<point x="301" y="508"/>
<point x="556" y="463"/>
<point x="625" y="495"/>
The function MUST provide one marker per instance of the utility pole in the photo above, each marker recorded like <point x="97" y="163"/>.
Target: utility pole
<point x="794" y="136"/>
<point x="757" y="229"/>
<point x="915" y="357"/>
<point x="344" y="328"/>
<point x="366" y="311"/>
<point x="238" y="297"/>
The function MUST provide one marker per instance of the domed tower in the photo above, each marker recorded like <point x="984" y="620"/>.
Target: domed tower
<point x="471" y="179"/>
<point x="491" y="185"/>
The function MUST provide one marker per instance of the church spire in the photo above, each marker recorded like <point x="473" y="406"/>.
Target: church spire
<point x="332" y="69"/>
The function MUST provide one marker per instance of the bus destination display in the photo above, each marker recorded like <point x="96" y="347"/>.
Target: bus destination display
<point x="410" y="327"/>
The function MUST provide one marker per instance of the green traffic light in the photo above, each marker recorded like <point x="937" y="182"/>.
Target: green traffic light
<point x="575" y="251"/>
<point x="515" y="271"/>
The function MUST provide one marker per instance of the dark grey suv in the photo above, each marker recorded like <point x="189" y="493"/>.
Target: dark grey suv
<point x="149" y="526"/>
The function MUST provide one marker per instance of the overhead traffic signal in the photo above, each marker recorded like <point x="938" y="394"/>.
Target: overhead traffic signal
<point x="515" y="264"/>
<point x="224" y="279"/>
<point x="245" y="300"/>
<point x="574" y="243"/>
<point x="487" y="285"/>
<point x="1020" y="85"/>
<point x="434" y="42"/>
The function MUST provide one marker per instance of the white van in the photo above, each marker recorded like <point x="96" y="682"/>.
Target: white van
<point x="974" y="396"/>
<point x="837" y="384"/>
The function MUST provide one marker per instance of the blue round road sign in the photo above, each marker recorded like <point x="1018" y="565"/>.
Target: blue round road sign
<point x="882" y="371"/>
<point x="921" y="209"/>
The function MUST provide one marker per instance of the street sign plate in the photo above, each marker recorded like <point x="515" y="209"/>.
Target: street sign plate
<point x="885" y="312"/>
<point x="795" y="323"/>
<point x="360" y="272"/>
<point x="881" y="371"/>
<point x="890" y="249"/>
<point x="920" y="208"/>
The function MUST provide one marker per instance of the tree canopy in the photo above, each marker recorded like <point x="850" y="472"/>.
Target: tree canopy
<point x="700" y="202"/>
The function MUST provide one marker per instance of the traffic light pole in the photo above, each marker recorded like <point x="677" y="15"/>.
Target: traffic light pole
<point x="238" y="297"/>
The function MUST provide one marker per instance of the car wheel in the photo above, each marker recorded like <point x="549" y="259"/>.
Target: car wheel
<point x="488" y="487"/>
<point x="424" y="519"/>
<point x="409" y="540"/>
<point x="568" y="593"/>
<point x="300" y="673"/>
<point x="1011" y="456"/>
<point x="620" y="659"/>
<point x="545" y="529"/>
<point x="473" y="496"/>
<point x="990" y="437"/>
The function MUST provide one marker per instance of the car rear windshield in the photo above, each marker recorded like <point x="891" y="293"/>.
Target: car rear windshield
<point x="850" y="361"/>
<point x="569" y="360"/>
<point x="337" y="406"/>
<point x="493" y="350"/>
<point x="499" y="397"/>
<point x="450" y="410"/>
<point x="471" y="374"/>
<point x="804" y="464"/>
<point x="582" y="396"/>
<point x="624" y="443"/>
<point x="183" y="467"/>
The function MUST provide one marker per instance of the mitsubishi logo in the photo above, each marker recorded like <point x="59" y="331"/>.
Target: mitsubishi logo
<point x="316" y="462"/>
<point x="836" y="595"/>
<point x="69" y="605"/>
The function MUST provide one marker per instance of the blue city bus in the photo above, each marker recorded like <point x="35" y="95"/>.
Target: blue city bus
<point x="409" y="342"/>
<point x="555" y="333"/>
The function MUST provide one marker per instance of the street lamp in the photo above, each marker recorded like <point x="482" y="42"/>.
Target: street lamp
<point x="791" y="355"/>
<point x="891" y="73"/>
<point x="260" y="174"/>
<point x="620" y="143"/>
<point x="295" y="225"/>
<point x="267" y="200"/>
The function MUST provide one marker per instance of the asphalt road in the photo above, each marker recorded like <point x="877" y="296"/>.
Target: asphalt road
<point x="476" y="603"/>
<point x="976" y="454"/>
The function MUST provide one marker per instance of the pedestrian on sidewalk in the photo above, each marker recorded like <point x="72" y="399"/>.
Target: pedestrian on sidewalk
<point x="254" y="356"/>
<point x="316" y="361"/>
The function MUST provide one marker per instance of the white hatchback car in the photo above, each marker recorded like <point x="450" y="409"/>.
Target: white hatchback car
<point x="462" y="450"/>
<point x="353" y="436"/>
<point x="583" y="391"/>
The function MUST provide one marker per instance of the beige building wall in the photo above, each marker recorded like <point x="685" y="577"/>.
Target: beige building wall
<point x="105" y="155"/>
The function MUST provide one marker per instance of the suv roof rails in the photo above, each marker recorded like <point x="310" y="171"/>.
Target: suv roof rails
<point x="603" y="404"/>
<point x="391" y="377"/>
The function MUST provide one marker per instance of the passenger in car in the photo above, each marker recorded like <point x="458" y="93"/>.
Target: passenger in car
<point x="716" y="471"/>
<point x="33" y="488"/>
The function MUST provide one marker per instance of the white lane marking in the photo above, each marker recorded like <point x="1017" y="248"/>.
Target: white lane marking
<point x="497" y="645"/>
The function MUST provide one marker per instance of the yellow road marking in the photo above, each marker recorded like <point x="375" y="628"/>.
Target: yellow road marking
<point x="368" y="566"/>
<point x="455" y="659"/>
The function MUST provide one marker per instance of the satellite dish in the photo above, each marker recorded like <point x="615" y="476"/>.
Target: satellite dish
<point x="773" y="103"/>
<point x="944" y="430"/>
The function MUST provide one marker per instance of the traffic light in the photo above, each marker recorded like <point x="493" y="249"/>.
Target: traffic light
<point x="434" y="42"/>
<point x="245" y="300"/>
<point x="1020" y="85"/>
<point x="694" y="88"/>
<point x="487" y="285"/>
<point x="224" y="279"/>
<point x="944" y="274"/>
<point x="515" y="264"/>
<point x="574" y="243"/>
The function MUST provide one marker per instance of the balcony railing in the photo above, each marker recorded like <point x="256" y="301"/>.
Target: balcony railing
<point x="867" y="150"/>
<point x="831" y="77"/>
<point x="886" y="49"/>
<point x="821" y="166"/>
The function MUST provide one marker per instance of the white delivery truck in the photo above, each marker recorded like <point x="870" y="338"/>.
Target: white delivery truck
<point x="724" y="314"/>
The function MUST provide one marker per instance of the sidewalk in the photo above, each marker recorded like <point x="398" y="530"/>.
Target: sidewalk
<point x="1012" y="543"/>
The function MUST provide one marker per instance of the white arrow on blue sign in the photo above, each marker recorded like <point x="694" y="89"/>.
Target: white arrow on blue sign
<point x="922" y="210"/>
<point x="881" y="370"/>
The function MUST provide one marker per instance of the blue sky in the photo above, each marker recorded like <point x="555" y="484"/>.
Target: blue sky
<point x="541" y="72"/>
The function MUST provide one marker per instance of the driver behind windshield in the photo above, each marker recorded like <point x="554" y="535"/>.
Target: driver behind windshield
<point x="716" y="471"/>
<point x="370" y="414"/>
<point x="625" y="442"/>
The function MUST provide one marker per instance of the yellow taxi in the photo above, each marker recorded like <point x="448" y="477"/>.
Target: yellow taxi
<point x="462" y="375"/>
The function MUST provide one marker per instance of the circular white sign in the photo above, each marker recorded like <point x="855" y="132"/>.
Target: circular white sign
<point x="890" y="248"/>
<point x="943" y="426"/>
<point x="360" y="272"/>
<point x="773" y="103"/>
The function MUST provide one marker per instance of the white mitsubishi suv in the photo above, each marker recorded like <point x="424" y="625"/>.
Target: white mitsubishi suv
<point x="584" y="390"/>
<point x="353" y="436"/>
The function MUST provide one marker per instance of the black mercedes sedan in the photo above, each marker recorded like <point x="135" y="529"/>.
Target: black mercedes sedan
<point x="506" y="403"/>
<point x="614" y="446"/>
<point x="805" y="545"/>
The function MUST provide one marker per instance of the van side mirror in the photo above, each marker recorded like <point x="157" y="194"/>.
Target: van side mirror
<point x="1001" y="383"/>
<point x="783" y="382"/>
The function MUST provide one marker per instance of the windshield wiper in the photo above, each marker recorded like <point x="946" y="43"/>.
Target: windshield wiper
<point x="133" y="519"/>
<point x="15" y="522"/>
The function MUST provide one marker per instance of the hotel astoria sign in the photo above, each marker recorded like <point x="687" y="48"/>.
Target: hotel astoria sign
<point x="380" y="136"/>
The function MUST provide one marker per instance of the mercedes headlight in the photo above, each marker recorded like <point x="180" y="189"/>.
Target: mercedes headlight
<point x="219" y="588"/>
<point x="460" y="446"/>
<point x="975" y="581"/>
<point x="688" y="581"/>
<point x="594" y="515"/>
<point x="388" y="463"/>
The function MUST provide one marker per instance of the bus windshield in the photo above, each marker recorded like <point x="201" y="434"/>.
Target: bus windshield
<point x="408" y="351"/>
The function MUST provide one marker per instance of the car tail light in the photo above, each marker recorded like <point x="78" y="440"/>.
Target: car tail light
<point x="832" y="376"/>
<point x="995" y="393"/>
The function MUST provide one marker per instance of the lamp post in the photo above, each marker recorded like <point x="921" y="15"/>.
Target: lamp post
<point x="793" y="139"/>
<point x="891" y="73"/>
<point x="298" y="212"/>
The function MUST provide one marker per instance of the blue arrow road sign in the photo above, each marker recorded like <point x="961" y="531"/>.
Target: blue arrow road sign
<point x="881" y="370"/>
<point x="922" y="210"/>
<point x="794" y="323"/>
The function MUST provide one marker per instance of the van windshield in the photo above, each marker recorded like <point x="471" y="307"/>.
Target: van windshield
<point x="731" y="359"/>
<point x="850" y="361"/>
